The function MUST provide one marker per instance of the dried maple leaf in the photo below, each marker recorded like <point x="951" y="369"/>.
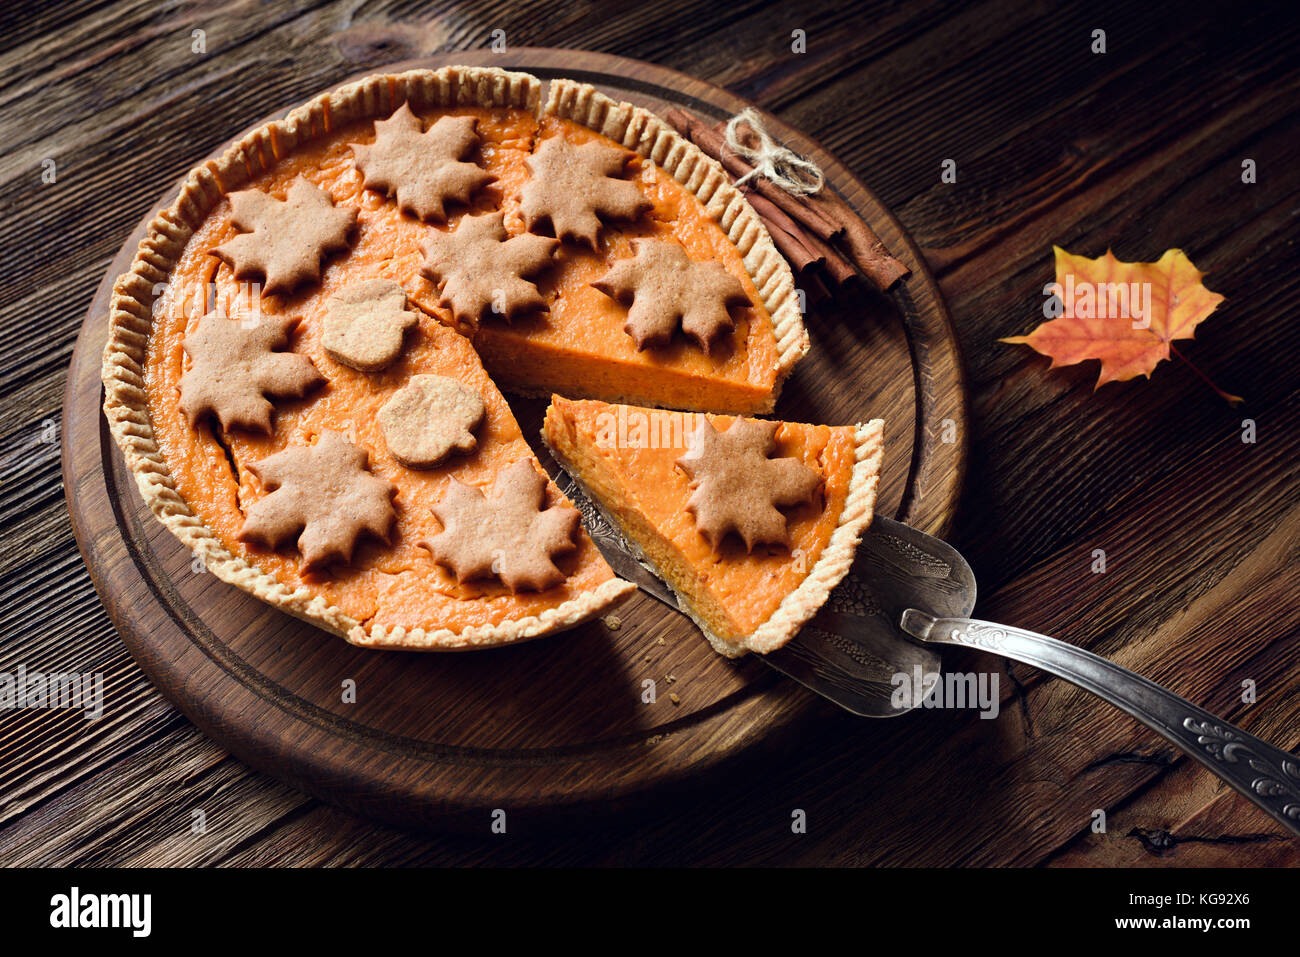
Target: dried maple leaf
<point x="666" y="287"/>
<point x="1125" y="314"/>
<point x="422" y="169"/>
<point x="285" y="238"/>
<point x="738" y="488"/>
<point x="321" y="495"/>
<point x="508" y="534"/>
<point x="234" y="367"/>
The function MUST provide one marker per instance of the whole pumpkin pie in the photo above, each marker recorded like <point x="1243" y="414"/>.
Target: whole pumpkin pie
<point x="750" y="522"/>
<point x="307" y="357"/>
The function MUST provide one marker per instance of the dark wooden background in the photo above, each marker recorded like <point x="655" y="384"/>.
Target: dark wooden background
<point x="1138" y="149"/>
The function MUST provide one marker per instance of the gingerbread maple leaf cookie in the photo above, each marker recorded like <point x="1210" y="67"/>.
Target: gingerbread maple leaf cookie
<point x="323" y="497"/>
<point x="665" y="288"/>
<point x="422" y="168"/>
<point x="285" y="239"/>
<point x="477" y="268"/>
<point x="365" y="324"/>
<point x="429" y="418"/>
<point x="572" y="187"/>
<point x="738" y="488"/>
<point x="235" y="365"/>
<point x="509" y="533"/>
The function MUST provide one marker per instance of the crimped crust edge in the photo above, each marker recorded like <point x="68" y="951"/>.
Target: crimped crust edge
<point x="131" y="317"/>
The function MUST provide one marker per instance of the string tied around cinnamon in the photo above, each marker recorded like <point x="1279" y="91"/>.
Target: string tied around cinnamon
<point x="807" y="229"/>
<point x="782" y="166"/>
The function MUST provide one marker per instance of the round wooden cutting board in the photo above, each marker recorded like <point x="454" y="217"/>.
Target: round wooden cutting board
<point x="557" y="725"/>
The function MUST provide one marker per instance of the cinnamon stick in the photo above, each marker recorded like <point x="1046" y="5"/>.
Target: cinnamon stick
<point x="814" y="289"/>
<point x="793" y="247"/>
<point x="841" y="269"/>
<point x="816" y="249"/>
<point x="865" y="246"/>
<point x="822" y="220"/>
<point x="777" y="222"/>
<point x="713" y="143"/>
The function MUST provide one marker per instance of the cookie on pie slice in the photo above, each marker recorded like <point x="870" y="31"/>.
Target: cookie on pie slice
<point x="751" y="523"/>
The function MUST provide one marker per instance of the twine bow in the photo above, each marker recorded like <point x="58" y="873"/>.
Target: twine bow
<point x="785" y="168"/>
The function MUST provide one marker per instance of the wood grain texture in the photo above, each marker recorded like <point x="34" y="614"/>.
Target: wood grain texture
<point x="1139" y="149"/>
<point x="432" y="740"/>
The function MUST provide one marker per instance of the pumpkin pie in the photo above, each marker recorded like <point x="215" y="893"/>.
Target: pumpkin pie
<point x="750" y="522"/>
<point x="306" y="358"/>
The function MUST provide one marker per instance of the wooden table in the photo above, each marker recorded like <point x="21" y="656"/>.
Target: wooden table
<point x="1137" y="149"/>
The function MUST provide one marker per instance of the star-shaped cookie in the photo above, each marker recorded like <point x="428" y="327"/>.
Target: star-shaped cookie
<point x="666" y="288"/>
<point x="284" y="239"/>
<point x="509" y="534"/>
<point x="365" y="324"/>
<point x="573" y="187"/>
<point x="423" y="169"/>
<point x="478" y="269"/>
<point x="235" y="364"/>
<point x="323" y="497"/>
<point x="737" y="488"/>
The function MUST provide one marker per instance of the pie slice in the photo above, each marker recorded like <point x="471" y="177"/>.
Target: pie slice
<point x="586" y="343"/>
<point x="750" y="522"/>
<point x="359" y="465"/>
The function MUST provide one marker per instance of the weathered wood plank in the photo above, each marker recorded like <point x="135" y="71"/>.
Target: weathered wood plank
<point x="1139" y="149"/>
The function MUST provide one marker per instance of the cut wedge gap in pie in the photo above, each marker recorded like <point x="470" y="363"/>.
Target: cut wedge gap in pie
<point x="750" y="561"/>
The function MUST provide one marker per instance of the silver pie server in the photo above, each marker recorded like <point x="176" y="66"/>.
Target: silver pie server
<point x="909" y="592"/>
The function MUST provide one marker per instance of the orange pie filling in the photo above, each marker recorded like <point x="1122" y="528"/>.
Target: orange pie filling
<point x="578" y="346"/>
<point x="627" y="458"/>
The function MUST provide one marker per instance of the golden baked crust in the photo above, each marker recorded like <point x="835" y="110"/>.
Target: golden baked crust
<point x="834" y="563"/>
<point x="130" y="322"/>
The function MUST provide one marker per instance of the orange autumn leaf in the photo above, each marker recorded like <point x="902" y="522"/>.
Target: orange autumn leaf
<point x="1125" y="314"/>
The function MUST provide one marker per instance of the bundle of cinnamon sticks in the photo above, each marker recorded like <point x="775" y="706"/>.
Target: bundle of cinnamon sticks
<point x="819" y="234"/>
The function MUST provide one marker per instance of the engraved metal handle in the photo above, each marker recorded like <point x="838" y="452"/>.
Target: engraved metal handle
<point x="1268" y="776"/>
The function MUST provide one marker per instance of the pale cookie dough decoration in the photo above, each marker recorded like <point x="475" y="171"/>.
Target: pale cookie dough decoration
<point x="285" y="239"/>
<point x="235" y="364"/>
<point x="366" y="324"/>
<point x="573" y="187"/>
<point x="478" y="269"/>
<point x="737" y="488"/>
<point x="510" y="534"/>
<point x="429" y="418"/>
<point x="323" y="497"/>
<point x="422" y="169"/>
<point x="666" y="288"/>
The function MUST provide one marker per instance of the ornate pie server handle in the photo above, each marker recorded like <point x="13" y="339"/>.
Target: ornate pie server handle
<point x="1268" y="776"/>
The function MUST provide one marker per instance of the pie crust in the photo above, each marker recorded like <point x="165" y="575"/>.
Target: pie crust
<point x="126" y="403"/>
<point x="797" y="604"/>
